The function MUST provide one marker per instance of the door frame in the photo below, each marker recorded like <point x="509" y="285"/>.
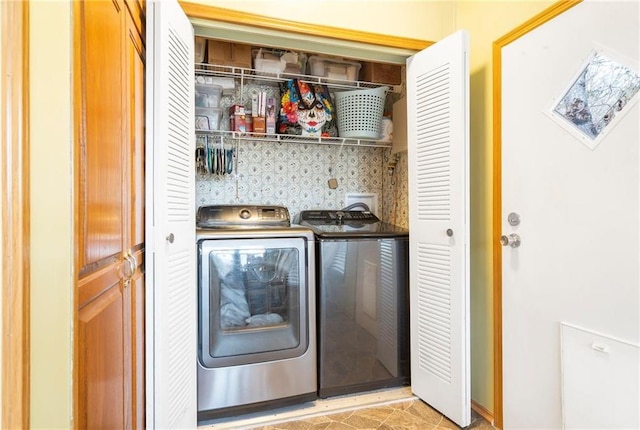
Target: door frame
<point x="15" y="215"/>
<point x="530" y="25"/>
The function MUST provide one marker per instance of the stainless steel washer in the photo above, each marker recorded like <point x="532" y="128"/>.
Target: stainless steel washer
<point x="363" y="301"/>
<point x="256" y="320"/>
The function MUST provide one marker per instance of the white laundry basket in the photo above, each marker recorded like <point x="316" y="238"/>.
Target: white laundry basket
<point x="360" y="112"/>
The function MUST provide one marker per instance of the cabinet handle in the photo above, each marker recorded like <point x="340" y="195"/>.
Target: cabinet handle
<point x="130" y="267"/>
<point x="132" y="262"/>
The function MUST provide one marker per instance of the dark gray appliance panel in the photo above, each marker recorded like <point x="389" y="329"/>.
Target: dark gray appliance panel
<point x="363" y="314"/>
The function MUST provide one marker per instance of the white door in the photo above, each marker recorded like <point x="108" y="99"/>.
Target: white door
<point x="438" y="148"/>
<point x="578" y="261"/>
<point x="170" y="236"/>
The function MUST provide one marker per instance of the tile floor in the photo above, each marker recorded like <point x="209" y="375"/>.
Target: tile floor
<point x="409" y="415"/>
<point x="386" y="409"/>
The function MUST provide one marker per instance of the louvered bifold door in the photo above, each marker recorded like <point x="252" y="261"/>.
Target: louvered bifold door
<point x="170" y="236"/>
<point x="438" y="136"/>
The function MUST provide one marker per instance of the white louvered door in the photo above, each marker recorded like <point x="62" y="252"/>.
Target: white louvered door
<point x="438" y="146"/>
<point x="170" y="236"/>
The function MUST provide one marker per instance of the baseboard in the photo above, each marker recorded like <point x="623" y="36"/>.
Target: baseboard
<point x="482" y="411"/>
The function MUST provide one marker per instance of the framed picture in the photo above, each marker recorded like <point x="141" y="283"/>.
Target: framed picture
<point x="597" y="98"/>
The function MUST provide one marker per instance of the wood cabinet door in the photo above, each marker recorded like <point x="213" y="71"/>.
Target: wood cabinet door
<point x="101" y="156"/>
<point x="109" y="100"/>
<point x="102" y="388"/>
<point x="135" y="72"/>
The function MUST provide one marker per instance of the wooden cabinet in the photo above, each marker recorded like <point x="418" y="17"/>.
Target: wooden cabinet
<point x="135" y="72"/>
<point x="109" y="159"/>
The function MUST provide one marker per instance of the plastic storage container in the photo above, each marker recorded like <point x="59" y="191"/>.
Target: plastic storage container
<point x="264" y="65"/>
<point x="228" y="84"/>
<point x="208" y="96"/>
<point x="275" y="61"/>
<point x="360" y="112"/>
<point x="334" y="69"/>
<point x="208" y="118"/>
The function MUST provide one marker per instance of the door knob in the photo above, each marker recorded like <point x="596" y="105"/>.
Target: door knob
<point x="449" y="232"/>
<point x="171" y="238"/>
<point x="513" y="240"/>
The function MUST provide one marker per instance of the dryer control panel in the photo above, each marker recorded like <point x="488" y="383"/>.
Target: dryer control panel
<point x="337" y="216"/>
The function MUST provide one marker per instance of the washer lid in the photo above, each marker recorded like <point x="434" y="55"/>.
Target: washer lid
<point x="245" y="216"/>
<point x="351" y="230"/>
<point x="348" y="224"/>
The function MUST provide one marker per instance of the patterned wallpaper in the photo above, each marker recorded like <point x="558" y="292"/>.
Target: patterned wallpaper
<point x="296" y="176"/>
<point x="396" y="192"/>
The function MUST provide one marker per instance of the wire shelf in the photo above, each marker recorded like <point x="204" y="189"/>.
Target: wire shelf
<point x="206" y="69"/>
<point x="260" y="137"/>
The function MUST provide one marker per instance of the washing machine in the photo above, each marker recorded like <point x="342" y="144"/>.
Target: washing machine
<point x="363" y="301"/>
<point x="256" y="310"/>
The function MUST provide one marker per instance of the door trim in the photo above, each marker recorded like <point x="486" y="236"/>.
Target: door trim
<point x="15" y="215"/>
<point x="535" y="22"/>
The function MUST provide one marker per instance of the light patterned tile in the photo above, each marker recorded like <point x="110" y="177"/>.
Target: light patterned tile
<point x="446" y="424"/>
<point x="297" y="425"/>
<point x="379" y="414"/>
<point x="340" y="417"/>
<point x="320" y="167"/>
<point x="361" y="422"/>
<point x="320" y="426"/>
<point x="408" y="415"/>
<point x="293" y="164"/>
<point x="424" y="412"/>
<point x="339" y="426"/>
<point x="403" y="419"/>
<point x="322" y="419"/>
<point x="290" y="169"/>
<point x="281" y="168"/>
<point x="402" y="405"/>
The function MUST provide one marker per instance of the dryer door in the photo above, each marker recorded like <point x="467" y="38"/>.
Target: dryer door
<point x="252" y="300"/>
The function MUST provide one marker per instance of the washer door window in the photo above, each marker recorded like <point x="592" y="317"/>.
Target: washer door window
<point x="252" y="300"/>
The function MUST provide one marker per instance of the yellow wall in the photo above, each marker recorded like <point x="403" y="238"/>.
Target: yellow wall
<point x="485" y="21"/>
<point x="426" y="20"/>
<point x="51" y="214"/>
<point x="2" y="108"/>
